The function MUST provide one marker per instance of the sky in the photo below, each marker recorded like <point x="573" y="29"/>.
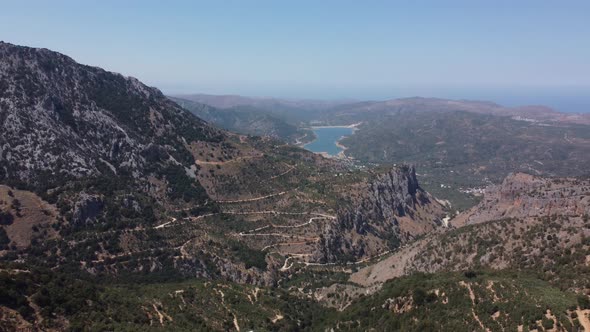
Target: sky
<point x="512" y="52"/>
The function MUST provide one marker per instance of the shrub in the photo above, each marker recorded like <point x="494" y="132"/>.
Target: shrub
<point x="583" y="302"/>
<point x="6" y="218"/>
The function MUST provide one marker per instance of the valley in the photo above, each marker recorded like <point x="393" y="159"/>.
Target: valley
<point x="459" y="146"/>
<point x="125" y="209"/>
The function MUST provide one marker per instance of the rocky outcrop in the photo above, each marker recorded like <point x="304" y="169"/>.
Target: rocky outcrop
<point x="523" y="195"/>
<point x="395" y="193"/>
<point x="394" y="209"/>
<point x="526" y="222"/>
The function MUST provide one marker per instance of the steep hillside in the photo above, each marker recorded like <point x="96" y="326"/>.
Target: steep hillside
<point x="61" y="121"/>
<point x="518" y="261"/>
<point x="527" y="222"/>
<point x="391" y="211"/>
<point x="484" y="301"/>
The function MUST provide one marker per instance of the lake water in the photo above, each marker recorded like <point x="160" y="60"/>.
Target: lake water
<point x="327" y="138"/>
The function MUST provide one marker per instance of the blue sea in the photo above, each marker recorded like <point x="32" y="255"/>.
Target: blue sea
<point x="327" y="138"/>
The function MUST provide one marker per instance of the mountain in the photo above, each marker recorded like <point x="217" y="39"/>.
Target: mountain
<point x="64" y="121"/>
<point x="356" y="111"/>
<point x="392" y="211"/>
<point x="522" y="223"/>
<point x="112" y="195"/>
<point x="102" y="149"/>
<point x="245" y="120"/>
<point x="514" y="262"/>
<point x="268" y="104"/>
<point x="289" y="119"/>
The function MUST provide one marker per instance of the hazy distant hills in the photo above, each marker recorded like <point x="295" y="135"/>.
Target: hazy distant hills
<point x="349" y="110"/>
<point x="295" y="111"/>
<point x="229" y="101"/>
<point x="419" y="104"/>
<point x="245" y="119"/>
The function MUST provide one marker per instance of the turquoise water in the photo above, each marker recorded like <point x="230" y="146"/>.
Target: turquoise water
<point x="327" y="138"/>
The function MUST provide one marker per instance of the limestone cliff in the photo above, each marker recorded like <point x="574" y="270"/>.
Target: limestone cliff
<point x="392" y="210"/>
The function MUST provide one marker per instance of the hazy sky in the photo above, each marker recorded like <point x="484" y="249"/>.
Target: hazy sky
<point x="320" y="49"/>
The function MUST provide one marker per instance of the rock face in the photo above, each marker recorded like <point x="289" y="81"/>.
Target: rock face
<point x="522" y="195"/>
<point x="393" y="209"/>
<point x="61" y="120"/>
<point x="526" y="222"/>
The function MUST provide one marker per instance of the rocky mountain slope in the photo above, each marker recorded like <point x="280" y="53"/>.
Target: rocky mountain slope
<point x="522" y="195"/>
<point x="527" y="222"/>
<point x="63" y="120"/>
<point x="391" y="211"/>
<point x="519" y="260"/>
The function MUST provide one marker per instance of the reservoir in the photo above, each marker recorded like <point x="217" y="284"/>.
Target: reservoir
<point x="326" y="139"/>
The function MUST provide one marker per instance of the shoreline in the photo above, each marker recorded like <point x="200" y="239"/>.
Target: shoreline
<point x="342" y="147"/>
<point x="340" y="154"/>
<point x="353" y="126"/>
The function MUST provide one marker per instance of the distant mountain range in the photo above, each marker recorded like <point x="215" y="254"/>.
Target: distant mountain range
<point x="229" y="101"/>
<point x="314" y="109"/>
<point x="247" y="120"/>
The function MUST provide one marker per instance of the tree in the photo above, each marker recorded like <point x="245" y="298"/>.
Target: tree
<point x="6" y="218"/>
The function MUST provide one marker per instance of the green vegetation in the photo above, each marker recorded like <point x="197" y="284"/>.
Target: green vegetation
<point x="182" y="186"/>
<point x="6" y="218"/>
<point x="250" y="257"/>
<point x="421" y="302"/>
<point x="462" y="150"/>
<point x="4" y="239"/>
<point x="203" y="305"/>
<point x="441" y="302"/>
